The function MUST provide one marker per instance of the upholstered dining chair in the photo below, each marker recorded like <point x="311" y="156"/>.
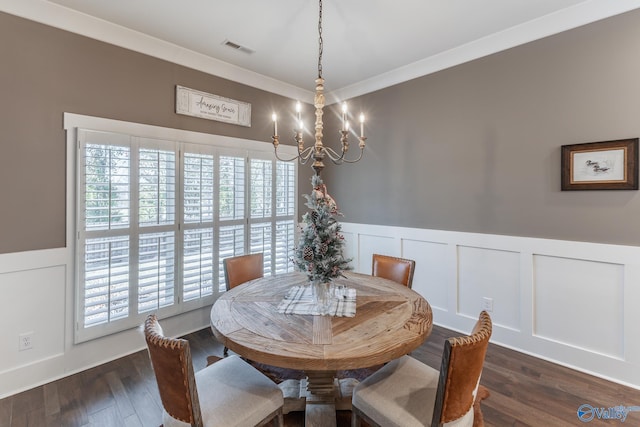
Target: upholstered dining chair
<point x="397" y="269"/>
<point x="241" y="269"/>
<point x="228" y="393"/>
<point x="407" y="393"/>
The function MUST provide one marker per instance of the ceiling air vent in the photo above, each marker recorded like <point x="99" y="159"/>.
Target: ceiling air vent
<point x="237" y="46"/>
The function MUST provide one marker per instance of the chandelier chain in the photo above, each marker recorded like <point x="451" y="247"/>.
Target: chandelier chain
<point x="320" y="46"/>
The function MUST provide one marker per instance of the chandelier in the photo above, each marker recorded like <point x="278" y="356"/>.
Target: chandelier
<point x="318" y="151"/>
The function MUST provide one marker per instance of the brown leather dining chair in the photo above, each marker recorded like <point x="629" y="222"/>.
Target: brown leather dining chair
<point x="397" y="269"/>
<point x="228" y="393"/>
<point x="407" y="393"/>
<point x="241" y="269"/>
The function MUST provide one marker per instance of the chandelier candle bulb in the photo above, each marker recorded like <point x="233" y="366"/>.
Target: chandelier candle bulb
<point x="361" y="125"/>
<point x="344" y="116"/>
<point x="298" y="110"/>
<point x="275" y="124"/>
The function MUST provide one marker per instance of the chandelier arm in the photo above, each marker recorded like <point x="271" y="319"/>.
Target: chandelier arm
<point x="285" y="160"/>
<point x="340" y="158"/>
<point x="303" y="155"/>
<point x="334" y="156"/>
<point x="355" y="160"/>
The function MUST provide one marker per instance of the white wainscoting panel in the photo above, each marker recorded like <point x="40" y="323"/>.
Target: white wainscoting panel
<point x="591" y="294"/>
<point x="369" y="244"/>
<point x="572" y="303"/>
<point x="432" y="276"/>
<point x="493" y="274"/>
<point x="32" y="302"/>
<point x="37" y="296"/>
<point x="350" y="246"/>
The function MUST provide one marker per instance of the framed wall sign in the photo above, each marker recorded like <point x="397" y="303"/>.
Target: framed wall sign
<point x="195" y="103"/>
<point x="607" y="165"/>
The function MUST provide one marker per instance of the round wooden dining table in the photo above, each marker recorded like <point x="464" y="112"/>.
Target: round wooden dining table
<point x="390" y="321"/>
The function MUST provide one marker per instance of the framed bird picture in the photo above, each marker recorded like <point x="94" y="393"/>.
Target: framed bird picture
<point x="607" y="165"/>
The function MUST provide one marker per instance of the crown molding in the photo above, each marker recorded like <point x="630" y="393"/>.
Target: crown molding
<point x="572" y="17"/>
<point x="66" y="19"/>
<point x="73" y="21"/>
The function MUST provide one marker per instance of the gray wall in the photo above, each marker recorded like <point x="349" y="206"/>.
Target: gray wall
<point x="476" y="148"/>
<point x="473" y="148"/>
<point x="45" y="72"/>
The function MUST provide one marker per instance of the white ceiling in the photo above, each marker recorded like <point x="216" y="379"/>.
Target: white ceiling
<point x="368" y="44"/>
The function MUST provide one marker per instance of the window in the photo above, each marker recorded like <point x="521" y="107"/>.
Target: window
<point x="155" y="218"/>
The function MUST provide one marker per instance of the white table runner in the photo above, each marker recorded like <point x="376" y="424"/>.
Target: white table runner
<point x="299" y="300"/>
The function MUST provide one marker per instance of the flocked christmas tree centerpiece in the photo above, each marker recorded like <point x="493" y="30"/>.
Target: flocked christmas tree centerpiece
<point x="319" y="253"/>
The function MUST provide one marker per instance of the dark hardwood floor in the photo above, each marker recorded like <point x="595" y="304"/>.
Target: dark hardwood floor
<point x="525" y="391"/>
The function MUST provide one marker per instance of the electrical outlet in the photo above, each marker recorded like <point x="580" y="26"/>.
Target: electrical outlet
<point x="25" y="341"/>
<point x="487" y="304"/>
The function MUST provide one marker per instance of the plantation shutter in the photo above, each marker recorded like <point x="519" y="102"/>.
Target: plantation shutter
<point x="103" y="226"/>
<point x="285" y="202"/>
<point x="232" y="200"/>
<point x="157" y="161"/>
<point x="198" y="205"/>
<point x="156" y="218"/>
<point x="260" y="233"/>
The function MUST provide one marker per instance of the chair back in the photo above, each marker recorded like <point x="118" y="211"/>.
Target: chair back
<point x="397" y="269"/>
<point x="462" y="363"/>
<point x="171" y="360"/>
<point x="241" y="269"/>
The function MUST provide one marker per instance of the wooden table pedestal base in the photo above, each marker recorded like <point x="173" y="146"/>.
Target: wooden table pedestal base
<point x="320" y="395"/>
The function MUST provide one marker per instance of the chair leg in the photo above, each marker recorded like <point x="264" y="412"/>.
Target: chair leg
<point x="481" y="394"/>
<point x="355" y="420"/>
<point x="279" y="420"/>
